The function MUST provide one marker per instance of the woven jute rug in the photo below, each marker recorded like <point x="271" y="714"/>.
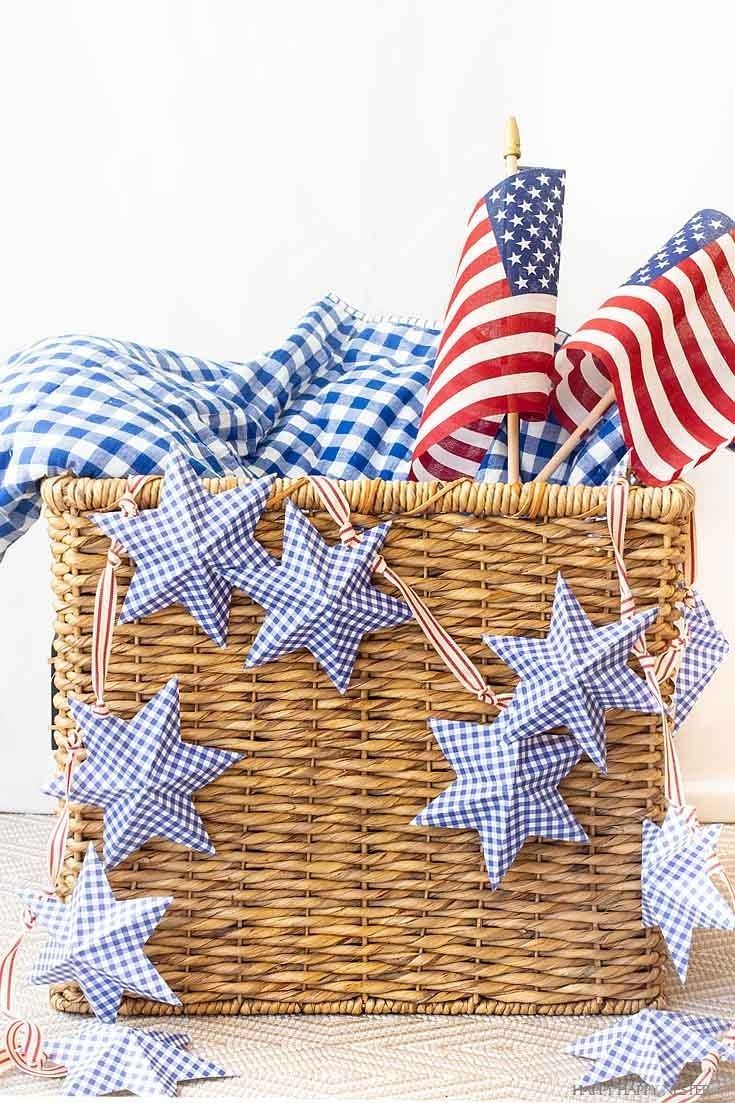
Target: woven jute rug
<point x="519" y="1059"/>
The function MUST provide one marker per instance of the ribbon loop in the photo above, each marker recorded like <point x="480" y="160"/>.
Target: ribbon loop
<point x="460" y="665"/>
<point x="656" y="669"/>
<point x="105" y="600"/>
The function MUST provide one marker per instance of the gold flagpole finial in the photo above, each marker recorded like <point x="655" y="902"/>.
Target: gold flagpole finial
<point x="512" y="150"/>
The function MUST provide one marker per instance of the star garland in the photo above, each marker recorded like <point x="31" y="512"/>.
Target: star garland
<point x="678" y="894"/>
<point x="143" y="775"/>
<point x="320" y="597"/>
<point x="193" y="549"/>
<point x="96" y="941"/>
<point x="103" y="1058"/>
<point x="504" y="791"/>
<point x="182" y="547"/>
<point x="573" y="675"/>
<point x="654" y="1045"/>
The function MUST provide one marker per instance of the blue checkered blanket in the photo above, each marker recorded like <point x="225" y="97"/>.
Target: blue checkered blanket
<point x="342" y="396"/>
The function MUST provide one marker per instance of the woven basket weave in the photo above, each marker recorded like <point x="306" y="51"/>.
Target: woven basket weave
<point x="322" y="897"/>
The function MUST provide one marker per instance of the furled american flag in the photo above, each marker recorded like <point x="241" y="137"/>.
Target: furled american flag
<point x="496" y="351"/>
<point x="666" y="343"/>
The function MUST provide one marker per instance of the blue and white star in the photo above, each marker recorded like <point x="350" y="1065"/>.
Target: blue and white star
<point x="143" y="775"/>
<point x="181" y="548"/>
<point x="655" y="1045"/>
<point x="320" y="597"/>
<point x="573" y="675"/>
<point x="97" y="941"/>
<point x="677" y="891"/>
<point x="108" y="1057"/>
<point x="705" y="649"/>
<point x="504" y="791"/>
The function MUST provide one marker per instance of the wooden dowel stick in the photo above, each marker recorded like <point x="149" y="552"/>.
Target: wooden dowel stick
<point x="513" y="426"/>
<point x="513" y="437"/>
<point x="574" y="438"/>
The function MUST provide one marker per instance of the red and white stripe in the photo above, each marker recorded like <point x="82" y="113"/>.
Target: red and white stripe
<point x="23" y="1042"/>
<point x="495" y="357"/>
<point x="105" y="600"/>
<point x="656" y="669"/>
<point x="668" y="349"/>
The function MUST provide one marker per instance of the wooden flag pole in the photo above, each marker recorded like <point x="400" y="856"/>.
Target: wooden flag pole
<point x="574" y="438"/>
<point x="512" y="154"/>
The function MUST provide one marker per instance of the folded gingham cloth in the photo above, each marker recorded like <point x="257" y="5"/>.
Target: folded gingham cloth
<point x="342" y="396"/>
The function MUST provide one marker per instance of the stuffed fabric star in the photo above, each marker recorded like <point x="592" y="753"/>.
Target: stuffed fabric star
<point x="678" y="894"/>
<point x="573" y="675"/>
<point x="103" y="1058"/>
<point x="96" y="941"/>
<point x="655" y="1045"/>
<point x="504" y="791"/>
<point x="181" y="547"/>
<point x="320" y="597"/>
<point x="705" y="649"/>
<point x="143" y="775"/>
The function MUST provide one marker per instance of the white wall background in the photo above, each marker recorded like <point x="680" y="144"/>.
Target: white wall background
<point x="193" y="174"/>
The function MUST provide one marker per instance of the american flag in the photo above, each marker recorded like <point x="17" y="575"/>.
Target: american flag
<point x="666" y="343"/>
<point x="496" y="352"/>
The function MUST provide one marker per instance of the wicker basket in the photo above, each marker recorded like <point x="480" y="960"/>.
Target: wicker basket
<point x="322" y="897"/>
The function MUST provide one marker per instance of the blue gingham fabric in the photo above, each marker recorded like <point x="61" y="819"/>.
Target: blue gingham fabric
<point x="678" y="894"/>
<point x="142" y="774"/>
<point x="97" y="941"/>
<point x="504" y="791"/>
<point x="180" y="547"/>
<point x="600" y="458"/>
<point x="109" y="1057"/>
<point x="573" y="675"/>
<point x="705" y="649"/>
<point x="341" y="396"/>
<point x="654" y="1045"/>
<point x="319" y="596"/>
<point x="358" y="414"/>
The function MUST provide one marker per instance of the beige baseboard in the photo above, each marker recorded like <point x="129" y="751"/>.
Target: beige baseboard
<point x="714" y="800"/>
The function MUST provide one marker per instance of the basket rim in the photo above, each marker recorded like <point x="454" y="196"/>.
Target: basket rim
<point x="70" y="493"/>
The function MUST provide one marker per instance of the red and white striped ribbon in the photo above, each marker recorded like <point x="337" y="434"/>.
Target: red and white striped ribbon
<point x="655" y="669"/>
<point x="23" y="1048"/>
<point x="709" y="1066"/>
<point x="660" y="668"/>
<point x="23" y="1043"/>
<point x="460" y="665"/>
<point x="105" y="600"/>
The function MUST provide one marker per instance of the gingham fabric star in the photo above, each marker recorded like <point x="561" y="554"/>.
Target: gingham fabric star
<point x="103" y="1058"/>
<point x="320" y="597"/>
<point x="655" y="1045"/>
<point x="143" y="775"/>
<point x="677" y="891"/>
<point x="504" y="791"/>
<point x="706" y="647"/>
<point x="181" y="547"/>
<point x="97" y="941"/>
<point x="573" y="675"/>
